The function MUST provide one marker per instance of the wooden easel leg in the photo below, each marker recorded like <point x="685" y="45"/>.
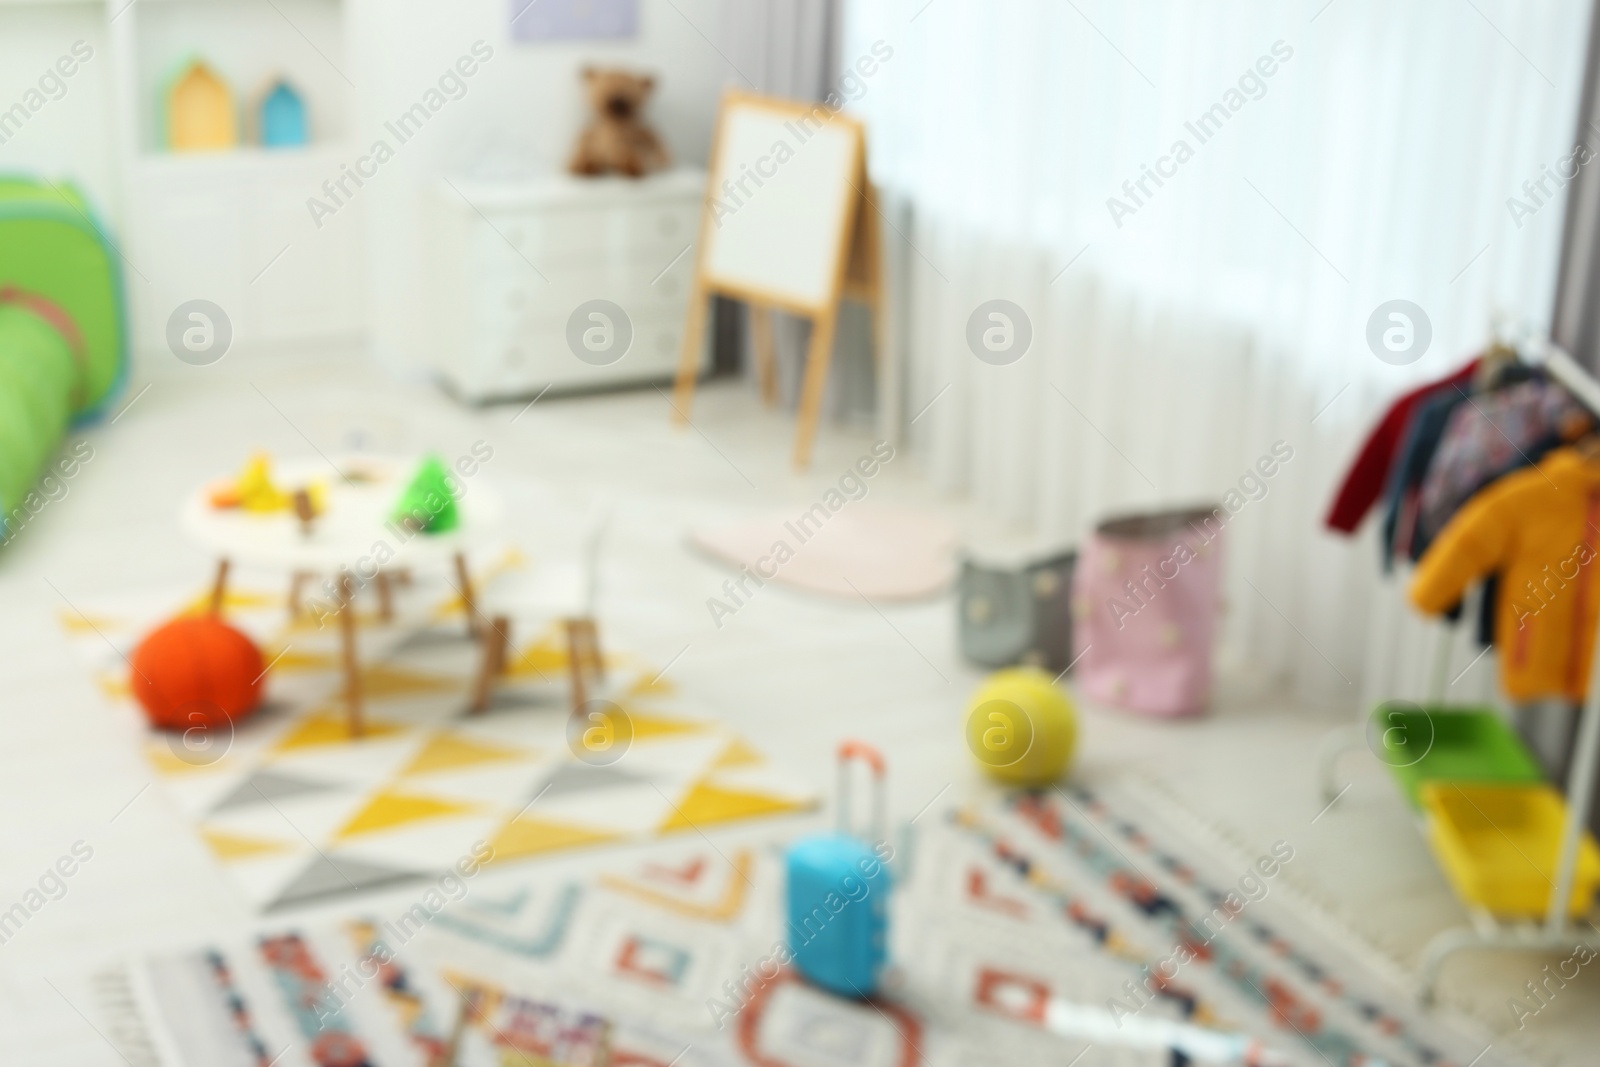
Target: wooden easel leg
<point x="766" y="369"/>
<point x="468" y="599"/>
<point x="219" y="587"/>
<point x="495" y="645"/>
<point x="297" y="585"/>
<point x="885" y="364"/>
<point x="882" y="363"/>
<point x="872" y="235"/>
<point x="689" y="356"/>
<point x="352" y="667"/>
<point x="818" y="355"/>
<point x="385" y="597"/>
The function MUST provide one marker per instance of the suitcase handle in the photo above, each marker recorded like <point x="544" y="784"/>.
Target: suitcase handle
<point x="874" y="760"/>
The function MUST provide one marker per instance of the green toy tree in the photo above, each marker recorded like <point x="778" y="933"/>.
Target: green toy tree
<point x="426" y="504"/>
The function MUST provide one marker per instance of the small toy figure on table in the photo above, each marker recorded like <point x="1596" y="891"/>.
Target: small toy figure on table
<point x="254" y="490"/>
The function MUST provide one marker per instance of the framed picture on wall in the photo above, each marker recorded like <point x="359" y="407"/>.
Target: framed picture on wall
<point x="573" y="20"/>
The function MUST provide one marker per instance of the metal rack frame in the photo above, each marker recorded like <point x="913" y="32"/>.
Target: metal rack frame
<point x="1556" y="932"/>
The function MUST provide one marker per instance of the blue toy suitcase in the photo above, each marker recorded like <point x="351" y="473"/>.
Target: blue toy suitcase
<point x="838" y="891"/>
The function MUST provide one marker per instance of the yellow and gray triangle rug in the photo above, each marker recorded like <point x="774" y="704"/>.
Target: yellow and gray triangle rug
<point x="297" y="810"/>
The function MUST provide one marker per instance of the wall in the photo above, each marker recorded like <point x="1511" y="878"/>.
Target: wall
<point x="519" y="115"/>
<point x="68" y="137"/>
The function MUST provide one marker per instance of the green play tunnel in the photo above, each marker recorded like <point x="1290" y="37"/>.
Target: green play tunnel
<point x="63" y="333"/>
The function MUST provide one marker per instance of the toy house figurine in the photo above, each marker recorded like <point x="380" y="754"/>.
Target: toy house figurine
<point x="200" y="114"/>
<point x="281" y="120"/>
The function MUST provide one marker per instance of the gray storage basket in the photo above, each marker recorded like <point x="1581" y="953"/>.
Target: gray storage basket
<point x="1011" y="615"/>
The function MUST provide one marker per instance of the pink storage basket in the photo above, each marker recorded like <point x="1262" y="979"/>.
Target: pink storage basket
<point x="1146" y="597"/>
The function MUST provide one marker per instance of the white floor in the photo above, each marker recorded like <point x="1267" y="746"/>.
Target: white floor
<point x="794" y="673"/>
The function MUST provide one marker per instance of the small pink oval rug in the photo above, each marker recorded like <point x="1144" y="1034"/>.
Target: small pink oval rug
<point x="877" y="551"/>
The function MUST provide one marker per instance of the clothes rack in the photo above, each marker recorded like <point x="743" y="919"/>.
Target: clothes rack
<point x="1556" y="932"/>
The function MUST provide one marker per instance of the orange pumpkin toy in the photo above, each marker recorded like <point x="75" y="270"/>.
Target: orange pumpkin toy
<point x="196" y="671"/>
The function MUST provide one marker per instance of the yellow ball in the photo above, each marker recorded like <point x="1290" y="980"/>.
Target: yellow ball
<point x="1021" y="728"/>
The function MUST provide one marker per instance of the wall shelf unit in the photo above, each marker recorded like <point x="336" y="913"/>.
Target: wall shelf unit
<point x="233" y="225"/>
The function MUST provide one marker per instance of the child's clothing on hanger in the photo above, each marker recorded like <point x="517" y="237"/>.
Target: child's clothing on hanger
<point x="1539" y="528"/>
<point x="1368" y="475"/>
<point x="1411" y="466"/>
<point x="1487" y="437"/>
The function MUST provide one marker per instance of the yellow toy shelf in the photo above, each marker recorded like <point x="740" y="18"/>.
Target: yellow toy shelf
<point x="1499" y="845"/>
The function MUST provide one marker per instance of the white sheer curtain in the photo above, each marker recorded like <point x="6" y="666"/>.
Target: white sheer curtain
<point x="1229" y="309"/>
<point x="785" y="47"/>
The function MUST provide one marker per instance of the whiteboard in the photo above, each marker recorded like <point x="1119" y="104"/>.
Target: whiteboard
<point x="781" y="191"/>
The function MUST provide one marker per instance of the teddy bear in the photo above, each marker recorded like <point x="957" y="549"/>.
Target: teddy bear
<point x="617" y="140"/>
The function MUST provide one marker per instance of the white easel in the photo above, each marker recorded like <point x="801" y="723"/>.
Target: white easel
<point x="790" y="223"/>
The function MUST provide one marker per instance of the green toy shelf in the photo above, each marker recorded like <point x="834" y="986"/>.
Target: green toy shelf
<point x="1450" y="744"/>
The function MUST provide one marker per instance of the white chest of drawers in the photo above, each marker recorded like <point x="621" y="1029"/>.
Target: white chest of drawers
<point x="513" y="262"/>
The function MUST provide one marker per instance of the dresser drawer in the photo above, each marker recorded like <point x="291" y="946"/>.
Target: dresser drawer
<point x="517" y="259"/>
<point x="540" y="234"/>
<point x="499" y="298"/>
<point x="665" y="223"/>
<point x="666" y="283"/>
<point x="547" y="239"/>
<point x="656" y="345"/>
<point x="642" y="287"/>
<point x="525" y="360"/>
